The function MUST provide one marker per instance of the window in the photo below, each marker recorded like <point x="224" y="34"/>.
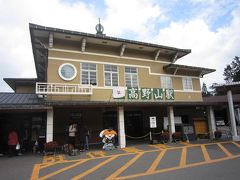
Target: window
<point x="89" y="74"/>
<point x="131" y="78"/>
<point x="67" y="71"/>
<point x="187" y="83"/>
<point x="111" y="75"/>
<point x="166" y="82"/>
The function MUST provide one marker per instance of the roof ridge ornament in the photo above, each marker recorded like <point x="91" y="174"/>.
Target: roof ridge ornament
<point x="99" y="28"/>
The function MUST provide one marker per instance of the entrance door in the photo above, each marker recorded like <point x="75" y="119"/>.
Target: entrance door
<point x="134" y="123"/>
<point x="200" y="127"/>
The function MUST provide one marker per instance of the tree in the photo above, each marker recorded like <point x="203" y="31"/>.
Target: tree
<point x="204" y="90"/>
<point x="232" y="71"/>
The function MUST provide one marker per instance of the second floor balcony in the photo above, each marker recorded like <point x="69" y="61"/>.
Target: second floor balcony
<point x="63" y="89"/>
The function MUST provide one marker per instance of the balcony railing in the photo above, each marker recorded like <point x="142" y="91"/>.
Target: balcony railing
<point x="67" y="89"/>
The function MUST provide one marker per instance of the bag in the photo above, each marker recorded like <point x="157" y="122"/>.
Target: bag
<point x="17" y="146"/>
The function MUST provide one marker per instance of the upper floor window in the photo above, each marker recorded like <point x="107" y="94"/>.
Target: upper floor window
<point x="166" y="82"/>
<point x="187" y="83"/>
<point x="67" y="71"/>
<point x="131" y="78"/>
<point x="111" y="75"/>
<point x="89" y="73"/>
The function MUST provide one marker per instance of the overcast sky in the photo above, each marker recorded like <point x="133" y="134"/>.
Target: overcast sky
<point x="210" y="28"/>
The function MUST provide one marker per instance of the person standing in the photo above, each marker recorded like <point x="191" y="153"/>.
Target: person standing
<point x="87" y="134"/>
<point x="12" y="142"/>
<point x="72" y="129"/>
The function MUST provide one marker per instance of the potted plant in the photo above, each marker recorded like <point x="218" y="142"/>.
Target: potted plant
<point x="164" y="136"/>
<point x="176" y="136"/>
<point x="50" y="147"/>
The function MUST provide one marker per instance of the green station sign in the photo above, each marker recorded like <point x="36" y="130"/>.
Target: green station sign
<point x="134" y="93"/>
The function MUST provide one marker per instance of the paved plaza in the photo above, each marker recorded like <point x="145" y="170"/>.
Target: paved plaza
<point x="211" y="160"/>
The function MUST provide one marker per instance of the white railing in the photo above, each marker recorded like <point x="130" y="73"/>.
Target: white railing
<point x="59" y="88"/>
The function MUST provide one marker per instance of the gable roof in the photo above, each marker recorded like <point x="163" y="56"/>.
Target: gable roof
<point x="40" y="50"/>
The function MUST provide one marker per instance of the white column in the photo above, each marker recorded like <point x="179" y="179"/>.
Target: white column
<point x="49" y="133"/>
<point x="232" y="116"/>
<point x="211" y="121"/>
<point x="171" y="122"/>
<point x="121" y="128"/>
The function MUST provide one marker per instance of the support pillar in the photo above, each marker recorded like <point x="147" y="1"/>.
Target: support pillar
<point x="49" y="132"/>
<point x="211" y="121"/>
<point x="171" y="122"/>
<point x="121" y="128"/>
<point x="235" y="137"/>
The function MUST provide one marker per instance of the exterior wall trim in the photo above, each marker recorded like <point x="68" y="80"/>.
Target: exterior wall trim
<point x="129" y="65"/>
<point x="106" y="55"/>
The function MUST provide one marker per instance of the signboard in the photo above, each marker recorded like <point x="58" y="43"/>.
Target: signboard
<point x="118" y="93"/>
<point x="133" y="93"/>
<point x="158" y="93"/>
<point x="169" y="94"/>
<point x="146" y="93"/>
<point x="153" y="122"/>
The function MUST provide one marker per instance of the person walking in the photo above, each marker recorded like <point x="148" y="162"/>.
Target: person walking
<point x="12" y="142"/>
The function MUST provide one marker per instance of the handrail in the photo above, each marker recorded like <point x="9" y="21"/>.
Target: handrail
<point x="63" y="89"/>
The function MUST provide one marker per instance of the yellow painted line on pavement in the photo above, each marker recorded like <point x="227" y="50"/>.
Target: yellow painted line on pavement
<point x="131" y="150"/>
<point x="161" y="146"/>
<point x="90" y="155"/>
<point x="98" y="154"/>
<point x="35" y="172"/>
<point x="62" y="170"/>
<point x="238" y="145"/>
<point x="125" y="166"/>
<point x="156" y="162"/>
<point x="183" y="157"/>
<point x="178" y="167"/>
<point x="224" y="150"/>
<point x="205" y="153"/>
<point x="184" y="143"/>
<point x="94" y="168"/>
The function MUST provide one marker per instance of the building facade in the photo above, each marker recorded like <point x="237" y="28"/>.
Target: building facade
<point x="101" y="82"/>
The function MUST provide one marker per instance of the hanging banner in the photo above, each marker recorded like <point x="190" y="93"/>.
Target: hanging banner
<point x="146" y="93"/>
<point x="118" y="93"/>
<point x="169" y="94"/>
<point x="158" y="93"/>
<point x="133" y="93"/>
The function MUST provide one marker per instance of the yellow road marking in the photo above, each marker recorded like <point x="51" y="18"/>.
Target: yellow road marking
<point x="62" y="170"/>
<point x="156" y="162"/>
<point x="96" y="154"/>
<point x="238" y="145"/>
<point x="90" y="155"/>
<point x="160" y="146"/>
<point x="183" y="157"/>
<point x="178" y="167"/>
<point x="35" y="172"/>
<point x="224" y="150"/>
<point x="205" y="153"/>
<point x="184" y="143"/>
<point x="125" y="166"/>
<point x="131" y="150"/>
<point x="94" y="168"/>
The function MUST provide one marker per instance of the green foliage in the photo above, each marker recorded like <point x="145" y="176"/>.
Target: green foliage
<point x="232" y="71"/>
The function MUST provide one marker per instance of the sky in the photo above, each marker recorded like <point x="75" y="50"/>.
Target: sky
<point x="210" y="28"/>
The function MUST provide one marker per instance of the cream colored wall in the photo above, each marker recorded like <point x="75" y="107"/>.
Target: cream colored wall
<point x="148" y="75"/>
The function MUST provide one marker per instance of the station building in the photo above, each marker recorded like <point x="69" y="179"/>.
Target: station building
<point x="100" y="82"/>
